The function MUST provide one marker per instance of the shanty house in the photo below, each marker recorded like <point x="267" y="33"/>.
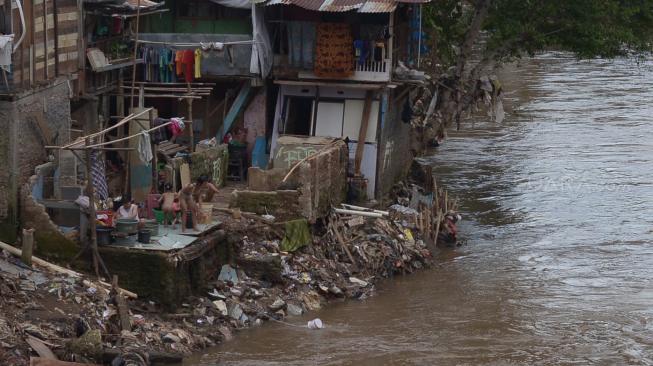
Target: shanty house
<point x="334" y="76"/>
<point x="39" y="62"/>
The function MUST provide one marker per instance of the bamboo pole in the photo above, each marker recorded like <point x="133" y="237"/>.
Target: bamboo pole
<point x="191" y="131"/>
<point x="155" y="176"/>
<point x="160" y="88"/>
<point x="138" y="19"/>
<point x="104" y="131"/>
<point x="159" y="83"/>
<point x="185" y="96"/>
<point x="91" y="209"/>
<point x="128" y="137"/>
<point x="55" y="268"/>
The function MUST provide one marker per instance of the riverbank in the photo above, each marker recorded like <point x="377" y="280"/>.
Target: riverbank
<point x="275" y="270"/>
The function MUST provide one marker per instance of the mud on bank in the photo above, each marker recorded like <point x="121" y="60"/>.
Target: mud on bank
<point x="275" y="270"/>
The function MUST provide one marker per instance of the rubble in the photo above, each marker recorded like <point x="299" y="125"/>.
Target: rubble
<point x="345" y="257"/>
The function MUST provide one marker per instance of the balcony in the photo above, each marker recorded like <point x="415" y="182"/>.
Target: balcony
<point x="368" y="71"/>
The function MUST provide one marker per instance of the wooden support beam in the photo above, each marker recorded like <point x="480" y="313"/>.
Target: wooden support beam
<point x="183" y="84"/>
<point x="28" y="246"/>
<point x="91" y="209"/>
<point x="203" y="90"/>
<point x="362" y="133"/>
<point x="191" y="143"/>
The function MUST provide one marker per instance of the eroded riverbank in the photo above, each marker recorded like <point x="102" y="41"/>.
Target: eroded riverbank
<point x="557" y="213"/>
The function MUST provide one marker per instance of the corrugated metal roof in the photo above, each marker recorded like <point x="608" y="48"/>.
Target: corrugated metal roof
<point x="362" y="6"/>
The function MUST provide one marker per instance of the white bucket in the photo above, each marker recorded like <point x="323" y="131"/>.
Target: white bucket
<point x="315" y="324"/>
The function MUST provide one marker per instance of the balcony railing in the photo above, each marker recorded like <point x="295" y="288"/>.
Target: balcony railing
<point x="374" y="71"/>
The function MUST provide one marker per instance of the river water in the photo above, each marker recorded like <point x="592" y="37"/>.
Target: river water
<point x="557" y="268"/>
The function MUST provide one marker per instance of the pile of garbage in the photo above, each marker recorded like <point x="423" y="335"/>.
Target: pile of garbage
<point x="62" y="317"/>
<point x="278" y="270"/>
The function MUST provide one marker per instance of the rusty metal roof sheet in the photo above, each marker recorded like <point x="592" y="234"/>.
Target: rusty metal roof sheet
<point x="362" y="6"/>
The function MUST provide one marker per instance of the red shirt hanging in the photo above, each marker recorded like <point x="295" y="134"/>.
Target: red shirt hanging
<point x="188" y="61"/>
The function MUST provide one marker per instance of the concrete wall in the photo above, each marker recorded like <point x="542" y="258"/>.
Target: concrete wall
<point x="311" y="190"/>
<point x="33" y="120"/>
<point x="395" y="154"/>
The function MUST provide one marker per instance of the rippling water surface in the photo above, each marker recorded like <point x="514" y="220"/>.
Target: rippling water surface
<point x="558" y="265"/>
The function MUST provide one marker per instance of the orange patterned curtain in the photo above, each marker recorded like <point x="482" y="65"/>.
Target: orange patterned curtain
<point x="334" y="54"/>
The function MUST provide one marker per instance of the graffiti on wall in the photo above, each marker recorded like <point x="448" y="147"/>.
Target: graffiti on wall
<point x="288" y="155"/>
<point x="210" y="163"/>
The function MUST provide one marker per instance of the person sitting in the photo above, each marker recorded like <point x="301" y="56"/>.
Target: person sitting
<point x="129" y="210"/>
<point x="204" y="190"/>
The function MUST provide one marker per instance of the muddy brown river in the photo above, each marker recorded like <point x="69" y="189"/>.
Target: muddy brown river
<point x="557" y="268"/>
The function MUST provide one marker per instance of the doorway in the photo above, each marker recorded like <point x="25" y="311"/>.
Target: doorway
<point x="299" y="115"/>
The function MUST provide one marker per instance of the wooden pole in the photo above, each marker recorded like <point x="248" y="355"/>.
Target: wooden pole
<point x="191" y="143"/>
<point x="28" y="246"/>
<point x="155" y="176"/>
<point x="123" y="310"/>
<point x="91" y="209"/>
<point x="138" y="19"/>
<point x="362" y="133"/>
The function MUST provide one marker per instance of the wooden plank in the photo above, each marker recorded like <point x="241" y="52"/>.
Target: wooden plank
<point x="56" y="20"/>
<point x="41" y="348"/>
<point x="362" y="134"/>
<point x="235" y="109"/>
<point x="176" y="150"/>
<point x="38" y="361"/>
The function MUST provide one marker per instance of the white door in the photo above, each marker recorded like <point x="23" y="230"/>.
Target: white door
<point x="329" y="119"/>
<point x="353" y="117"/>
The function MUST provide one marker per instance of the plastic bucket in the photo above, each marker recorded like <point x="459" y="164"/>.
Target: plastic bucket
<point x="153" y="226"/>
<point x="158" y="215"/>
<point x="103" y="235"/>
<point x="128" y="226"/>
<point x="144" y="236"/>
<point x="315" y="324"/>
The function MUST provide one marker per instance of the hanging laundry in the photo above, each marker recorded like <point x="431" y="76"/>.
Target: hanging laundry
<point x="379" y="51"/>
<point x="361" y="51"/>
<point x="188" y="60"/>
<point x="198" y="58"/>
<point x="163" y="65"/>
<point x="116" y="26"/>
<point x="144" y="148"/>
<point x="6" y="45"/>
<point x="179" y="55"/>
<point x="160" y="134"/>
<point x="176" y="126"/>
<point x="301" y="41"/>
<point x="171" y="66"/>
<point x="98" y="177"/>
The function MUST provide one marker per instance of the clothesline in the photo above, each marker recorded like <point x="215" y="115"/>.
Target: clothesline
<point x="118" y="124"/>
<point x="130" y="137"/>
<point x="195" y="44"/>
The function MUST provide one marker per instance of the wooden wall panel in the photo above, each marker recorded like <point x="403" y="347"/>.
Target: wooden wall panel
<point x="50" y="46"/>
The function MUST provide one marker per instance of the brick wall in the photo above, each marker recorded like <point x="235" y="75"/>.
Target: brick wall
<point x="33" y="120"/>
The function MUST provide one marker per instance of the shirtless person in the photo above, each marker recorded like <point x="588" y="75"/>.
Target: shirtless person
<point x="188" y="204"/>
<point x="167" y="202"/>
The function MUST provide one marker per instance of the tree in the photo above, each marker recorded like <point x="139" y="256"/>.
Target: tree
<point x="470" y="38"/>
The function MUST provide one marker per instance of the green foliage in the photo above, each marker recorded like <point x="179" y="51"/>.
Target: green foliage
<point x="512" y="28"/>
